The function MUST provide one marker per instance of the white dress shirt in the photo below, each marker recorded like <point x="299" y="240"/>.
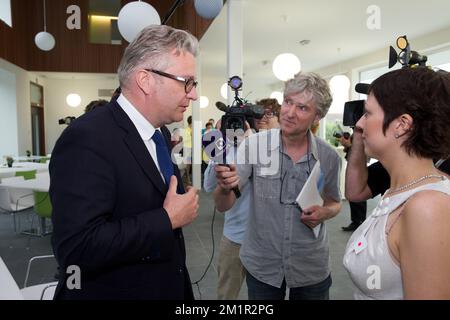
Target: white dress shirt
<point x="143" y="126"/>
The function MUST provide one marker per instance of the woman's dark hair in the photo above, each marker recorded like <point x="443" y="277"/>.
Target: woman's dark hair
<point x="94" y="104"/>
<point x="424" y="94"/>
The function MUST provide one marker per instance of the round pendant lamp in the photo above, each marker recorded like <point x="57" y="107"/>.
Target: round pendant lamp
<point x="285" y="66"/>
<point x="44" y="40"/>
<point x="208" y="9"/>
<point x="134" y="17"/>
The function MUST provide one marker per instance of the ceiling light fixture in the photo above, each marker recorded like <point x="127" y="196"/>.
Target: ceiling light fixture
<point x="208" y="9"/>
<point x="277" y="95"/>
<point x="73" y="100"/>
<point x="285" y="66"/>
<point x="134" y="17"/>
<point x="44" y="40"/>
<point x="305" y="42"/>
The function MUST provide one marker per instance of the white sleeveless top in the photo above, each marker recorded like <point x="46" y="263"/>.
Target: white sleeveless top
<point x="367" y="257"/>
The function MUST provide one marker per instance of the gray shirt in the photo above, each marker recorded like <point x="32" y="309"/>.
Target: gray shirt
<point x="277" y="245"/>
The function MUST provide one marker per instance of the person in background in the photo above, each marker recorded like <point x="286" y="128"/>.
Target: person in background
<point x="271" y="114"/>
<point x="231" y="272"/>
<point x="118" y="200"/>
<point x="284" y="245"/>
<point x="205" y="157"/>
<point x="187" y="150"/>
<point x="94" y="104"/>
<point x="402" y="251"/>
<point x="358" y="210"/>
<point x="176" y="138"/>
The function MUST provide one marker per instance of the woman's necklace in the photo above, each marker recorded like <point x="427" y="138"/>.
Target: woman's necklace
<point x="416" y="181"/>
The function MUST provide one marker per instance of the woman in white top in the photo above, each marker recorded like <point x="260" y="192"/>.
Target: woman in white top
<point x="402" y="251"/>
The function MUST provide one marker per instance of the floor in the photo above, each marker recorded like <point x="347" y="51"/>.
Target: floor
<point x="16" y="250"/>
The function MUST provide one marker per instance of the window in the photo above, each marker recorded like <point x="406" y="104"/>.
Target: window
<point x="103" y="21"/>
<point x="5" y="12"/>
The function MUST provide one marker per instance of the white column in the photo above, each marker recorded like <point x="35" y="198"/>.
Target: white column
<point x="235" y="36"/>
<point x="197" y="131"/>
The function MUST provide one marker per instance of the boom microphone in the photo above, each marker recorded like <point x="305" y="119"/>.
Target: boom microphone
<point x="221" y="106"/>
<point x="362" y="88"/>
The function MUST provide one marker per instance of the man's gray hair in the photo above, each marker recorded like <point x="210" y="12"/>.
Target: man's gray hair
<point x="314" y="85"/>
<point x="151" y="47"/>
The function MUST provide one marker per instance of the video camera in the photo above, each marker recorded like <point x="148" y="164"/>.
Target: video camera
<point x="239" y="112"/>
<point x="67" y="120"/>
<point x="353" y="110"/>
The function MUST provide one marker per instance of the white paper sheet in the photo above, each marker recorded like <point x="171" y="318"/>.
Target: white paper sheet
<point x="310" y="196"/>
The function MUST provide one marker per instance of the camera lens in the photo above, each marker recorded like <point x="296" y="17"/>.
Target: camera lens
<point x="235" y="82"/>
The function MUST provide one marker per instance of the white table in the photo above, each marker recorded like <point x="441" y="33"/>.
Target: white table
<point x="41" y="184"/>
<point x="6" y="172"/>
<point x="30" y="158"/>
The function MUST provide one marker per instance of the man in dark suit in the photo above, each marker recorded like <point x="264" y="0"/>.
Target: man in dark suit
<point x="118" y="200"/>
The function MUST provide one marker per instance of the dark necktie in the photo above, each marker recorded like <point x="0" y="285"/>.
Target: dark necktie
<point x="163" y="155"/>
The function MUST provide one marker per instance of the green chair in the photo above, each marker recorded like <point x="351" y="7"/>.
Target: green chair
<point x="27" y="175"/>
<point x="43" y="209"/>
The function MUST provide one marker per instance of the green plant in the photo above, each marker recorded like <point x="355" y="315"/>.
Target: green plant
<point x="9" y="161"/>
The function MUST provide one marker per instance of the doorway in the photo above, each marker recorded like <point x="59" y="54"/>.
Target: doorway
<point x="37" y="119"/>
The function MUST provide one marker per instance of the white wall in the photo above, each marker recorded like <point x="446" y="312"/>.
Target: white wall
<point x="23" y="105"/>
<point x="8" y="114"/>
<point x="55" y="93"/>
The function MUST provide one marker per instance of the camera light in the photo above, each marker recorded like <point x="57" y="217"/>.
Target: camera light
<point x="402" y="42"/>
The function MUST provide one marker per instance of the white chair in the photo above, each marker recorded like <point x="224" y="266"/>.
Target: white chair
<point x="14" y="201"/>
<point x="42" y="175"/>
<point x="44" y="291"/>
<point x="9" y="290"/>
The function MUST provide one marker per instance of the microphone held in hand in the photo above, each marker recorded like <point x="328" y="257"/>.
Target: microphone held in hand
<point x="236" y="190"/>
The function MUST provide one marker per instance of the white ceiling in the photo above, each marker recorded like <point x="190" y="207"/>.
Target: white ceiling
<point x="337" y="30"/>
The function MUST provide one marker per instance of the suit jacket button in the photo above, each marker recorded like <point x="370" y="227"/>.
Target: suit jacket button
<point x="180" y="270"/>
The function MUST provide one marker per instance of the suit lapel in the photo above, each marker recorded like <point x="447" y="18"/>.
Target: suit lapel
<point x="137" y="147"/>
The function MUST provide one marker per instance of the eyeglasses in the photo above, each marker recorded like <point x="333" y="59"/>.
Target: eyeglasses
<point x="269" y="114"/>
<point x="189" y="83"/>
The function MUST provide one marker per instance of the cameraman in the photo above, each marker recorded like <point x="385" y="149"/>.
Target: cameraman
<point x="358" y="210"/>
<point x="230" y="270"/>
<point x="280" y="249"/>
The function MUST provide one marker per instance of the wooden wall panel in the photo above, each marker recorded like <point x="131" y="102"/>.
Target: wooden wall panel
<point x="73" y="52"/>
<point x="12" y="45"/>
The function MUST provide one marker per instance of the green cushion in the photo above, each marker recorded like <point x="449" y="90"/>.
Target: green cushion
<point x="27" y="175"/>
<point x="42" y="204"/>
